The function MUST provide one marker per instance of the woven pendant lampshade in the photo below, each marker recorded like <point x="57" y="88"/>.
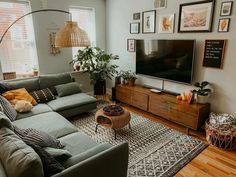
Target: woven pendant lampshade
<point x="71" y="36"/>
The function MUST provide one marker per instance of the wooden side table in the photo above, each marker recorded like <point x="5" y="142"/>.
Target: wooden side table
<point x="113" y="122"/>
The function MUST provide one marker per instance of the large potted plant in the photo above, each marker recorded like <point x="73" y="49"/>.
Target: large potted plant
<point x="95" y="61"/>
<point x="202" y="92"/>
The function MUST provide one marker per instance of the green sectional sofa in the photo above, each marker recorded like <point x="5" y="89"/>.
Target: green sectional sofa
<point x="89" y="158"/>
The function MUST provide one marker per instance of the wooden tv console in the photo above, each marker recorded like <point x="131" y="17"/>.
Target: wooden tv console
<point x="164" y="105"/>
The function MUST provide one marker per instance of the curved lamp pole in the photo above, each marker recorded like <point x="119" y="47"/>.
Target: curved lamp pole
<point x="74" y="31"/>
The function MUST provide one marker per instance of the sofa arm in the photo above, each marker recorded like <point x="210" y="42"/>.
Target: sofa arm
<point x="112" y="162"/>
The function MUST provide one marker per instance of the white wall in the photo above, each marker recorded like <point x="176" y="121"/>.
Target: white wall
<point x="49" y="63"/>
<point x="118" y="18"/>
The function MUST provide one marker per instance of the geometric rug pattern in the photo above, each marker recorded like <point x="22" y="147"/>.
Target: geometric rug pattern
<point x="154" y="150"/>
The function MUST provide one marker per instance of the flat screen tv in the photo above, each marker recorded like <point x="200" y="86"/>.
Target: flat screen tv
<point x="166" y="59"/>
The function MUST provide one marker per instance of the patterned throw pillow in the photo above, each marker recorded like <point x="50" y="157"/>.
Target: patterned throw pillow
<point x="38" y="137"/>
<point x="8" y="110"/>
<point x="19" y="94"/>
<point x="43" y="96"/>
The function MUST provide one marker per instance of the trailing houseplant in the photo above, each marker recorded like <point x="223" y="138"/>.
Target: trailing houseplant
<point x="97" y="63"/>
<point x="202" y="91"/>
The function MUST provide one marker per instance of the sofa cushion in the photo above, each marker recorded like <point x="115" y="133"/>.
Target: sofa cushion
<point x="50" y="80"/>
<point x="49" y="122"/>
<point x="81" y="147"/>
<point x="78" y="142"/>
<point x="58" y="154"/>
<point x="7" y="108"/>
<point x="19" y="160"/>
<point x="30" y="84"/>
<point x="67" y="89"/>
<point x="38" y="109"/>
<point x="71" y="101"/>
<point x="2" y="170"/>
<point x="43" y="95"/>
<point x="5" y="121"/>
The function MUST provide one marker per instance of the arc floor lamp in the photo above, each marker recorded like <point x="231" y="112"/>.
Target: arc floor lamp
<point x="71" y="35"/>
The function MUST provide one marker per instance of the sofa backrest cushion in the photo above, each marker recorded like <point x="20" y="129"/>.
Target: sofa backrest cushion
<point x="51" y="80"/>
<point x="19" y="159"/>
<point x="2" y="171"/>
<point x="30" y="84"/>
<point x="5" y="121"/>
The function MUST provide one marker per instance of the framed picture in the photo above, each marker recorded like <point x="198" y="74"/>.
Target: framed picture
<point x="136" y="16"/>
<point x="131" y="45"/>
<point x="160" y="4"/>
<point x="134" y="28"/>
<point x="196" y="16"/>
<point x="166" y="23"/>
<point x="223" y="25"/>
<point x="214" y="53"/>
<point x="226" y="8"/>
<point x="149" y="21"/>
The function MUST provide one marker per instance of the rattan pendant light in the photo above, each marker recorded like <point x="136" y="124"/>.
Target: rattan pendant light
<point x="71" y="36"/>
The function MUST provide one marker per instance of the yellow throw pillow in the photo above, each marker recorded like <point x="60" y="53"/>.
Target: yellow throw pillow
<point x="19" y="94"/>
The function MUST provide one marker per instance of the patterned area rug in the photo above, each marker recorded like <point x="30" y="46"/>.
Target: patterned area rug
<point x="154" y="149"/>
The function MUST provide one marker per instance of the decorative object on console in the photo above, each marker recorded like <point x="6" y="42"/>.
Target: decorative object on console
<point x="202" y="92"/>
<point x="221" y="131"/>
<point x="226" y="8"/>
<point x="134" y="28"/>
<point x="166" y="23"/>
<point x="214" y="53"/>
<point x="131" y="45"/>
<point x="136" y="16"/>
<point x="128" y="77"/>
<point x="223" y="25"/>
<point x="149" y="21"/>
<point x="160" y="4"/>
<point x="186" y="96"/>
<point x="96" y="62"/>
<point x="196" y="16"/>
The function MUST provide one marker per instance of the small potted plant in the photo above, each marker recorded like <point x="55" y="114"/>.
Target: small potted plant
<point x="35" y="71"/>
<point x="128" y="77"/>
<point x="202" y="92"/>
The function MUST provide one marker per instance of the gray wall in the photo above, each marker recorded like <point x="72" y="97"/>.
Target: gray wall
<point x="119" y="15"/>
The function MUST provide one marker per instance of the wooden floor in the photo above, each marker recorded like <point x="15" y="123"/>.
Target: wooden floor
<point x="212" y="162"/>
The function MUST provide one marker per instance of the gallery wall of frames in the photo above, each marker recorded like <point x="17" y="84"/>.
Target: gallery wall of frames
<point x="193" y="17"/>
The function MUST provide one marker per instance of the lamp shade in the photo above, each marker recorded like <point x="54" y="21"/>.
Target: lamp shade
<point x="71" y="36"/>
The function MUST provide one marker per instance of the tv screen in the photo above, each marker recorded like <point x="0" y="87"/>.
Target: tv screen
<point x="166" y="59"/>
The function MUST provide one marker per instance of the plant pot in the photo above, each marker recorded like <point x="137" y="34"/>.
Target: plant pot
<point x="100" y="87"/>
<point x="202" y="99"/>
<point x="131" y="82"/>
<point x="35" y="73"/>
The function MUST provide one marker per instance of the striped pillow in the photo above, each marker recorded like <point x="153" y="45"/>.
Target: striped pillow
<point x="37" y="137"/>
<point x="43" y="96"/>
<point x="8" y="110"/>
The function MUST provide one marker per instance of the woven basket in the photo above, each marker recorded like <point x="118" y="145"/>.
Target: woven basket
<point x="221" y="138"/>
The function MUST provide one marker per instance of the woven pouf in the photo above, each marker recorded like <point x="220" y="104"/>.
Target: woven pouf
<point x="221" y="134"/>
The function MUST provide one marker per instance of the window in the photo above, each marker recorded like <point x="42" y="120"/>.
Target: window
<point x="85" y="17"/>
<point x="18" y="49"/>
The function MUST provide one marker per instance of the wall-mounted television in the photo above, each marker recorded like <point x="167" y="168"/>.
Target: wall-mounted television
<point x="166" y="59"/>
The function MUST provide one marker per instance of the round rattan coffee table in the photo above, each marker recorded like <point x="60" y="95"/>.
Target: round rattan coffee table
<point x="113" y="122"/>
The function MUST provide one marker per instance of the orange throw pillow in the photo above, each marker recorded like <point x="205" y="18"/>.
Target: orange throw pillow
<point x="19" y="94"/>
